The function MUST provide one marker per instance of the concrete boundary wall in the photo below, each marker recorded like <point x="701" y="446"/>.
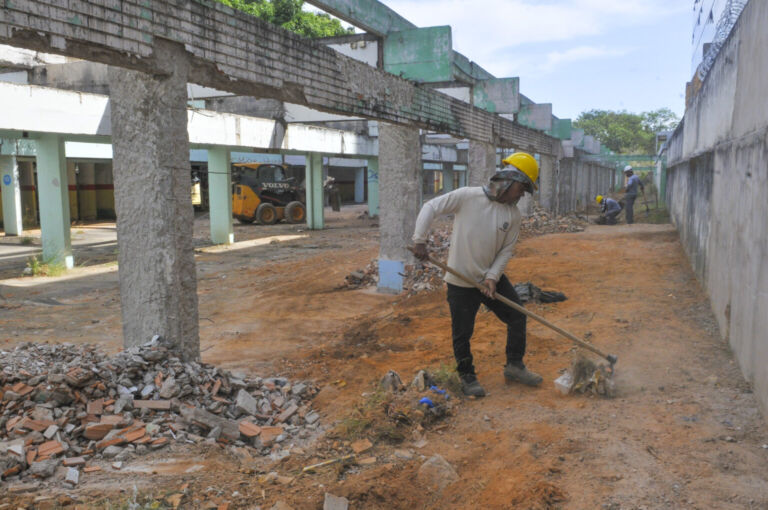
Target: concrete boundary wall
<point x="717" y="186"/>
<point x="578" y="182"/>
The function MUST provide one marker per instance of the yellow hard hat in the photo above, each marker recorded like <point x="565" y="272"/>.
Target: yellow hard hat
<point x="599" y="199"/>
<point x="526" y="164"/>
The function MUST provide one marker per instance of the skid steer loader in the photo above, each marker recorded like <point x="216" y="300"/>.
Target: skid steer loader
<point x="263" y="193"/>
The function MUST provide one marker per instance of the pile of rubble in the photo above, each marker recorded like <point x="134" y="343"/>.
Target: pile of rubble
<point x="70" y="405"/>
<point x="418" y="277"/>
<point x="542" y="222"/>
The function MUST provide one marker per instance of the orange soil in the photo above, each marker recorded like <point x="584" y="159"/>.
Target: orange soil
<point x="683" y="432"/>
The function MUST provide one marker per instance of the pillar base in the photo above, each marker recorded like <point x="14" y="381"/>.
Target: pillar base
<point x="391" y="276"/>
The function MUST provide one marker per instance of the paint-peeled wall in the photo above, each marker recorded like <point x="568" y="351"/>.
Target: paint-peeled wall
<point x="717" y="191"/>
<point x="578" y="182"/>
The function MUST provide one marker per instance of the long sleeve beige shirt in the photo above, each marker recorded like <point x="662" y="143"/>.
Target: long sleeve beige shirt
<point x="484" y="233"/>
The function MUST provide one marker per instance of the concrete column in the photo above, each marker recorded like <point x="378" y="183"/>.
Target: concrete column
<point x="54" y="200"/>
<point x="313" y="184"/>
<point x="482" y="163"/>
<point x="220" y="196"/>
<point x="359" y="185"/>
<point x="447" y="177"/>
<point x="547" y="170"/>
<point x="72" y="190"/>
<point x="105" y="191"/>
<point x="373" y="187"/>
<point x="400" y="189"/>
<point x="462" y="179"/>
<point x="158" y="286"/>
<point x="11" y="193"/>
<point x="86" y="177"/>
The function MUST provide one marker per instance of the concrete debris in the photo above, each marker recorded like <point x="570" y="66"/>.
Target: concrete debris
<point x="437" y="473"/>
<point x="335" y="502"/>
<point x="542" y="222"/>
<point x="391" y="381"/>
<point x="421" y="277"/>
<point x="73" y="476"/>
<point x="72" y="403"/>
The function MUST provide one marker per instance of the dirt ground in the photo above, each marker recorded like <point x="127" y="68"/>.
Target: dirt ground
<point x="684" y="430"/>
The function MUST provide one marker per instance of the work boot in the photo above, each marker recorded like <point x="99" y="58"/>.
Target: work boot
<point x="516" y="372"/>
<point x="470" y="386"/>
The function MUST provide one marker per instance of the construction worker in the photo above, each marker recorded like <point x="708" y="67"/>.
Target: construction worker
<point x="609" y="209"/>
<point x="633" y="182"/>
<point x="485" y="229"/>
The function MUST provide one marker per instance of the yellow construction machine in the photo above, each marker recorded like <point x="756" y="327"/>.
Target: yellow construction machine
<point x="263" y="193"/>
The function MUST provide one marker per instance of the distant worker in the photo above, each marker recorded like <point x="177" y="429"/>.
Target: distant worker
<point x="609" y="209"/>
<point x="633" y="182"/>
<point x="485" y="229"/>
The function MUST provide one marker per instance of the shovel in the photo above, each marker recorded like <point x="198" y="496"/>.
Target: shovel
<point x="645" y="203"/>
<point x="573" y="338"/>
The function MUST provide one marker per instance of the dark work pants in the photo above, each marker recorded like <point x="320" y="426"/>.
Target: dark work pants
<point x="464" y="303"/>
<point x="629" y="208"/>
<point x="610" y="218"/>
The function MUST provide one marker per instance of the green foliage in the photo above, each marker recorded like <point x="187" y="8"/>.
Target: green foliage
<point x="38" y="267"/>
<point x="624" y="132"/>
<point x="289" y="15"/>
<point x="26" y="240"/>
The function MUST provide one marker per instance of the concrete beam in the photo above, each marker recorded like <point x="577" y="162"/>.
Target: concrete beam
<point x="497" y="95"/>
<point x="53" y="190"/>
<point x="422" y="55"/>
<point x="536" y="116"/>
<point x="232" y="51"/>
<point x="158" y="282"/>
<point x="400" y="191"/>
<point x="11" y="193"/>
<point x="76" y="114"/>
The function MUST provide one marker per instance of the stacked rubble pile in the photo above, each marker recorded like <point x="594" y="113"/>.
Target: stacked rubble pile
<point x="69" y="404"/>
<point x="418" y="277"/>
<point x="542" y="222"/>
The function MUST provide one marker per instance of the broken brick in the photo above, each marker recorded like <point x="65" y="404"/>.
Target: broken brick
<point x="163" y="405"/>
<point x="97" y="431"/>
<point x="248" y="429"/>
<point x="95" y="407"/>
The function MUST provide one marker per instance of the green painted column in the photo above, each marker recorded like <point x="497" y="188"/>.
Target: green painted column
<point x="447" y="177"/>
<point x="314" y="190"/>
<point x="373" y="187"/>
<point x="220" y="196"/>
<point x="54" y="200"/>
<point x="11" y="193"/>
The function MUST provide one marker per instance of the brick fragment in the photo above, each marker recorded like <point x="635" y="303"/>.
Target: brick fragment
<point x="50" y="449"/>
<point x="95" y="407"/>
<point x="249" y="429"/>
<point x="152" y="404"/>
<point x="97" y="431"/>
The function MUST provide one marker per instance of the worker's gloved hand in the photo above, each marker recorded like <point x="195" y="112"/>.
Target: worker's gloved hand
<point x="420" y="251"/>
<point x="490" y="288"/>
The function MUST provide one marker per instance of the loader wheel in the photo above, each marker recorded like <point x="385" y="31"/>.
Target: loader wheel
<point x="295" y="212"/>
<point x="266" y="214"/>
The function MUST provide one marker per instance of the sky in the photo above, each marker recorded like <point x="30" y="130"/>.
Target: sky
<point x="579" y="55"/>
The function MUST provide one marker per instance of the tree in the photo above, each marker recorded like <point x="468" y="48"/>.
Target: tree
<point x="289" y="15"/>
<point x="624" y="132"/>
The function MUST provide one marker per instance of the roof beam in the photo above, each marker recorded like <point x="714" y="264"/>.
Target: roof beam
<point x="230" y="50"/>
